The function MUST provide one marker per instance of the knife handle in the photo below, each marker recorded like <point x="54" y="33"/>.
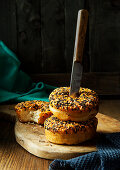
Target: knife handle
<point x="80" y="35"/>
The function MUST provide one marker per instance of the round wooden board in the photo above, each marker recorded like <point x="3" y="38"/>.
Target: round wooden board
<point x="32" y="138"/>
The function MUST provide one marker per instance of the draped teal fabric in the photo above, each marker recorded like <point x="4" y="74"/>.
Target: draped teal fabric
<point x="15" y="85"/>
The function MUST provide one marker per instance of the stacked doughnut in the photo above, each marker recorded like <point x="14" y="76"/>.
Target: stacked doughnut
<point x="73" y="120"/>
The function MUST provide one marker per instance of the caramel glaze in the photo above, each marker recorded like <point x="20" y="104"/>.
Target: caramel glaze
<point x="68" y="127"/>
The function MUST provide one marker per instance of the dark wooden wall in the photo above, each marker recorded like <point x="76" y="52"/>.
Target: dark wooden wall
<point x="104" y="38"/>
<point x="42" y="34"/>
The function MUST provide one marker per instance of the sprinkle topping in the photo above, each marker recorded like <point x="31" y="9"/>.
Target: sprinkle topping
<point x="33" y="105"/>
<point x="86" y="101"/>
<point x="68" y="127"/>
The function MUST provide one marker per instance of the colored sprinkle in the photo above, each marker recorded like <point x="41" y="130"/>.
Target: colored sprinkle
<point x="33" y="105"/>
<point x="86" y="101"/>
<point x="55" y="125"/>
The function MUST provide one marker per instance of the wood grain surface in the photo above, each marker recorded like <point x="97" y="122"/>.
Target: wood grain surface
<point x="103" y="83"/>
<point x="8" y="29"/>
<point x="53" y="36"/>
<point x="32" y="138"/>
<point x="81" y="28"/>
<point x="13" y="156"/>
<point x="42" y="33"/>
<point x="7" y="112"/>
<point x="104" y="35"/>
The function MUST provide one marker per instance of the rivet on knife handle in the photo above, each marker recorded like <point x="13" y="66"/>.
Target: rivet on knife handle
<point x="76" y="74"/>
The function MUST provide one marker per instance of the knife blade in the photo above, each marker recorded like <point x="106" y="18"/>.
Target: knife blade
<point x="77" y="68"/>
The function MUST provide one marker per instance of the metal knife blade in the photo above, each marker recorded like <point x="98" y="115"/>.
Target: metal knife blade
<point x="76" y="77"/>
<point x="77" y="68"/>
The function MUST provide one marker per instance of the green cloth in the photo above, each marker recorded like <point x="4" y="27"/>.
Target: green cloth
<point x="15" y="85"/>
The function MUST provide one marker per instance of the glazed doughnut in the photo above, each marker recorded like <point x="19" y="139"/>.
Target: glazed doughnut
<point x="68" y="132"/>
<point x="80" y="108"/>
<point x="33" y="111"/>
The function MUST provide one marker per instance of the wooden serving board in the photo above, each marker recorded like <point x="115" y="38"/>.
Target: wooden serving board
<point x="32" y="138"/>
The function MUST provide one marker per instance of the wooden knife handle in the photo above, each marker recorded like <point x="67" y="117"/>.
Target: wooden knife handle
<point x="80" y="35"/>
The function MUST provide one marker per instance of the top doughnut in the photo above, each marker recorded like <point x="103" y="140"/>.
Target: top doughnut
<point x="80" y="108"/>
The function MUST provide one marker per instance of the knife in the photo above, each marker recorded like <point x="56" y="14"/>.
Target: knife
<point x="77" y="68"/>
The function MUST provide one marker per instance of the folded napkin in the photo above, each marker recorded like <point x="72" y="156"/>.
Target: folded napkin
<point x="106" y="158"/>
<point x="15" y="85"/>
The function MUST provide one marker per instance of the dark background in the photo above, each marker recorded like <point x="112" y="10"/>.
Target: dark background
<point x="42" y="34"/>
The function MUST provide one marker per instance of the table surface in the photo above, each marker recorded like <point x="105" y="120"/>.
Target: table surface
<point x="13" y="156"/>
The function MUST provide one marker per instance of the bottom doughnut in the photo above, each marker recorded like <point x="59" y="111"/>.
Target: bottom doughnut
<point x="69" y="132"/>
